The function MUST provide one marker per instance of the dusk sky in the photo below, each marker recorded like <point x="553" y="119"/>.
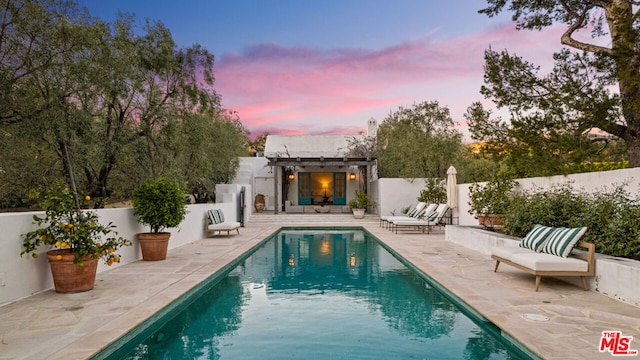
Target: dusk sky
<point x="326" y="67"/>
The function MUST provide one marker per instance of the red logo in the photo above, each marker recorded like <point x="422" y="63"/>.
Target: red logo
<point x="617" y="344"/>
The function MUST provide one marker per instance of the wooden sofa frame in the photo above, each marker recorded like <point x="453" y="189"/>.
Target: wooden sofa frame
<point x="589" y="258"/>
<point x="212" y="232"/>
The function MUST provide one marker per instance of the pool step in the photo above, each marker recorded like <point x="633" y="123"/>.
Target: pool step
<point x="312" y="218"/>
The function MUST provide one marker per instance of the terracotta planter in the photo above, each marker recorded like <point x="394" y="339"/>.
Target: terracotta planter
<point x="69" y="277"/>
<point x="490" y="220"/>
<point x="258" y="203"/>
<point x="154" y="245"/>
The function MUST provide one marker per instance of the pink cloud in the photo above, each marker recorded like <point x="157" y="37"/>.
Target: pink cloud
<point x="297" y="90"/>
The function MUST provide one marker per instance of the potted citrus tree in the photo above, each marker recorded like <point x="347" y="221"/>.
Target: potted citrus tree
<point x="489" y="202"/>
<point x="76" y="237"/>
<point x="160" y="204"/>
<point x="360" y="203"/>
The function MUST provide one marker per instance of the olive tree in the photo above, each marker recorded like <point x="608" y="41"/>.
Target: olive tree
<point x="574" y="97"/>
<point x="418" y="141"/>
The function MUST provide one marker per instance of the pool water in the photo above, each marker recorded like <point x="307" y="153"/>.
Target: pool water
<point x="319" y="294"/>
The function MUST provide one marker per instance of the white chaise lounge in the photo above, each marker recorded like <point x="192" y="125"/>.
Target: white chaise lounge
<point x="547" y="251"/>
<point x="415" y="212"/>
<point x="215" y="224"/>
<point x="429" y="219"/>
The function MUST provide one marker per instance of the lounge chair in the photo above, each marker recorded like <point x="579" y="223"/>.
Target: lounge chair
<point x="415" y="213"/>
<point x="432" y="219"/>
<point x="420" y="215"/>
<point x="215" y="224"/>
<point x="384" y="220"/>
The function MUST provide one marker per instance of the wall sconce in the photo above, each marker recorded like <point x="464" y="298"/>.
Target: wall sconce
<point x="352" y="176"/>
<point x="292" y="177"/>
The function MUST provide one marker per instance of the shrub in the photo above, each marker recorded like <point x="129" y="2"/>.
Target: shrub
<point x="612" y="217"/>
<point x="435" y="192"/>
<point x="492" y="197"/>
<point x="361" y="201"/>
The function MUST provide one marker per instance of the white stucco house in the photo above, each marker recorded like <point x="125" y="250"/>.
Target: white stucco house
<point x="307" y="173"/>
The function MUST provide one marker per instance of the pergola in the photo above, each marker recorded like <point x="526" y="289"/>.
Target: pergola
<point x="279" y="164"/>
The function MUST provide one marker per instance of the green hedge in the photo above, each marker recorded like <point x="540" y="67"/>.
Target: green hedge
<point x="612" y="217"/>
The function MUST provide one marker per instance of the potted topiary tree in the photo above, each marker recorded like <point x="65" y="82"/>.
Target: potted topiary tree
<point x="360" y="203"/>
<point x="160" y="204"/>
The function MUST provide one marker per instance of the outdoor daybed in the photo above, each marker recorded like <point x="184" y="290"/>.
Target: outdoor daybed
<point x="547" y="251"/>
<point x="214" y="223"/>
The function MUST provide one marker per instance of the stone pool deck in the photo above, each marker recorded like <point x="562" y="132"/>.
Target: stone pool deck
<point x="75" y="326"/>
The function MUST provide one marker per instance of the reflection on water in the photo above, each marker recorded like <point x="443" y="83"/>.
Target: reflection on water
<point x="320" y="295"/>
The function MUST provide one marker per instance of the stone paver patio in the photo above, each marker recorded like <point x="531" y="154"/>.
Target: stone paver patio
<point x="75" y="326"/>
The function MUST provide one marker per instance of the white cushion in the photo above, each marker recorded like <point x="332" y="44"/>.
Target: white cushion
<point x="412" y="222"/>
<point x="224" y="226"/>
<point x="393" y="219"/>
<point x="548" y="262"/>
<point x="507" y="252"/>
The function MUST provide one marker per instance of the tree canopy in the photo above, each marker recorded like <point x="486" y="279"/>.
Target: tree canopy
<point x="418" y="141"/>
<point x="561" y="115"/>
<point x="99" y="105"/>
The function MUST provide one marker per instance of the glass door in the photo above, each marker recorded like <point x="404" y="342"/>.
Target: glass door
<point x="304" y="188"/>
<point x="339" y="188"/>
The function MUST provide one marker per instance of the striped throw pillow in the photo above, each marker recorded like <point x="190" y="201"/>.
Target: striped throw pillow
<point x="211" y="217"/>
<point x="418" y="214"/>
<point x="411" y="212"/>
<point x="535" y="239"/>
<point x="432" y="216"/>
<point x="563" y="240"/>
<point x="215" y="216"/>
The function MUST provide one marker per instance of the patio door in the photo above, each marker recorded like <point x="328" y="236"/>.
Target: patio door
<point x="304" y="188"/>
<point x="339" y="188"/>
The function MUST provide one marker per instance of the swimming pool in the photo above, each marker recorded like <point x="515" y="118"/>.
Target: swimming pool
<point x="317" y="294"/>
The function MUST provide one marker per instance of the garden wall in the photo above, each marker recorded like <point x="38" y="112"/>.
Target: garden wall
<point x="23" y="276"/>
<point x="589" y="182"/>
<point x="394" y="194"/>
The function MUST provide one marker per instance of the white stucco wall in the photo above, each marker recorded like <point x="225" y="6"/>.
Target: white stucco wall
<point x="24" y="276"/>
<point x="589" y="182"/>
<point x="394" y="194"/>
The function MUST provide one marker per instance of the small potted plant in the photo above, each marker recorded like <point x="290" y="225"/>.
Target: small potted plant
<point x="360" y="203"/>
<point x="77" y="237"/>
<point x="160" y="204"/>
<point x="489" y="202"/>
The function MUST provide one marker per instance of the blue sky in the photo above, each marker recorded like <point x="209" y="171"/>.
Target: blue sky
<point x="313" y="67"/>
